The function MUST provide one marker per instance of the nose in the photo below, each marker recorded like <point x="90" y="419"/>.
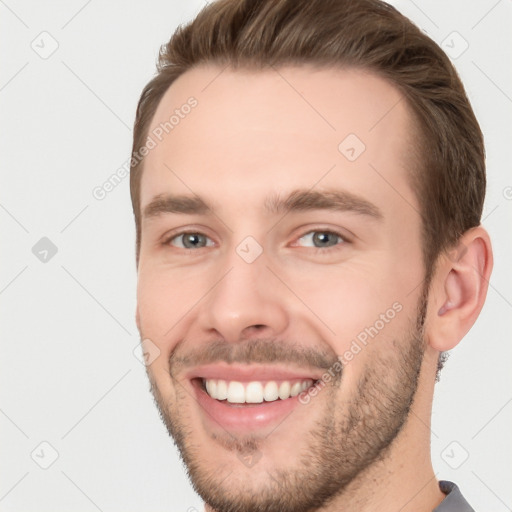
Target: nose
<point x="247" y="301"/>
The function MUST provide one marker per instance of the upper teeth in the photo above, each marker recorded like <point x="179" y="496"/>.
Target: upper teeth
<point x="254" y="392"/>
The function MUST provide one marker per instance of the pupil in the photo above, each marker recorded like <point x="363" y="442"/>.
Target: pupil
<point x="192" y="240"/>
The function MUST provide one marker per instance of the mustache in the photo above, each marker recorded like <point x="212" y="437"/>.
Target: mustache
<point x="261" y="350"/>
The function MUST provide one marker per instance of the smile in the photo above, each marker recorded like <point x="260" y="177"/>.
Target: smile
<point x="254" y="392"/>
<point x="245" y="398"/>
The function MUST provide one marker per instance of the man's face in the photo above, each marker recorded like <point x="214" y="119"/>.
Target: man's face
<point x="258" y="302"/>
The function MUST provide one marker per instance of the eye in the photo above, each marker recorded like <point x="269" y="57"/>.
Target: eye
<point x="189" y="240"/>
<point x="322" y="239"/>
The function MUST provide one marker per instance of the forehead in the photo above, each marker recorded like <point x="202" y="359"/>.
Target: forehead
<point x="222" y="131"/>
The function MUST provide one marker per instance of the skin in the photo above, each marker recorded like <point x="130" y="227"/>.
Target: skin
<point x="251" y="135"/>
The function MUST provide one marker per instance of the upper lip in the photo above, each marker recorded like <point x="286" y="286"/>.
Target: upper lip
<point x="250" y="372"/>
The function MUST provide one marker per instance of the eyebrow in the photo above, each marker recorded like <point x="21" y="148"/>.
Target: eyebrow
<point x="297" y="200"/>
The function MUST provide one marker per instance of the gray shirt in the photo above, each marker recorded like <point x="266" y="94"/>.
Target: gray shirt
<point x="454" y="501"/>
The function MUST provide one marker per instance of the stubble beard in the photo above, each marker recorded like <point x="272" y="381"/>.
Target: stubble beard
<point x="348" y="438"/>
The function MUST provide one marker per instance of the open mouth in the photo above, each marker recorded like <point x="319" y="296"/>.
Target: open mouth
<point x="246" y="398"/>
<point x="253" y="392"/>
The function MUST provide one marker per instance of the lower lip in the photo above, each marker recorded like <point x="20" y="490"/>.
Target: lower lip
<point x="242" y="416"/>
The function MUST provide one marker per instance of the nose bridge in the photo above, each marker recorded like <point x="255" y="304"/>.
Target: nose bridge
<point x="245" y="294"/>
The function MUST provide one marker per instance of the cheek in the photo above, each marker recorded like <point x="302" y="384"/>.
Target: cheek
<point x="360" y="304"/>
<point x="165" y="300"/>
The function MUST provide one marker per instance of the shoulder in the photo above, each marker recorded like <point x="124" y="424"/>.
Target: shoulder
<point x="454" y="501"/>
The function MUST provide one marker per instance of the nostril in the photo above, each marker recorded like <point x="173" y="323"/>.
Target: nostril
<point x="253" y="330"/>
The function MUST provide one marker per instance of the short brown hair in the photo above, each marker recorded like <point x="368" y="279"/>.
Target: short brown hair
<point x="449" y="180"/>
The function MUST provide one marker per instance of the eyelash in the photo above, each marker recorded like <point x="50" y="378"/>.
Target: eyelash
<point x="317" y="250"/>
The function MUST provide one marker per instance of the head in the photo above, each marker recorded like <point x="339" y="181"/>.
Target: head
<point x="268" y="124"/>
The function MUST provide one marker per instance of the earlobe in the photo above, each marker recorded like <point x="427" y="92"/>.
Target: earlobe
<point x="462" y="280"/>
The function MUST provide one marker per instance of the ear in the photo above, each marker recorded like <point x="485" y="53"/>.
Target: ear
<point x="458" y="289"/>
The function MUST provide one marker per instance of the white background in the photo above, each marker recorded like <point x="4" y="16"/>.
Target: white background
<point x="68" y="373"/>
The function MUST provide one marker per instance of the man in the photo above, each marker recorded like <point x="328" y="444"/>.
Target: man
<point x="307" y="181"/>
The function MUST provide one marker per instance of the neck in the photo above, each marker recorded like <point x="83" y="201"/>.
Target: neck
<point x="402" y="481"/>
